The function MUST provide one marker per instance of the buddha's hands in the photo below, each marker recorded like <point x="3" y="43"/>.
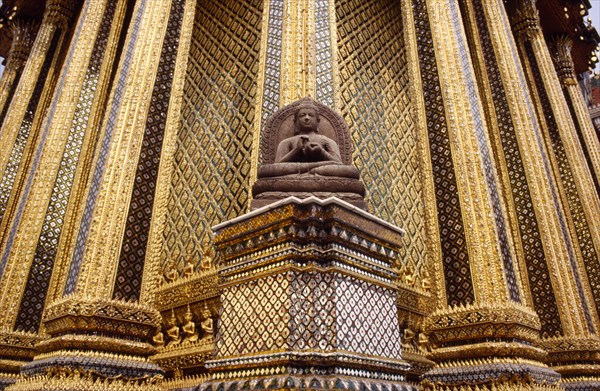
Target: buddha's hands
<point x="313" y="150"/>
<point x="301" y="143"/>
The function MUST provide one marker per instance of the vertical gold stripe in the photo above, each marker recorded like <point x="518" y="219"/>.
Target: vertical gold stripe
<point x="556" y="252"/>
<point x="260" y="91"/>
<point x="467" y="126"/>
<point x="297" y="64"/>
<point x="310" y="48"/>
<point x="433" y="258"/>
<point x="106" y="232"/>
<point x="152" y="270"/>
<point x="59" y="127"/>
<point x="581" y="174"/>
<point x="335" y="67"/>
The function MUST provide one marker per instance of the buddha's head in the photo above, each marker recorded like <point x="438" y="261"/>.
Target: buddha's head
<point x="188" y="314"/>
<point x="306" y="118"/>
<point x="206" y="312"/>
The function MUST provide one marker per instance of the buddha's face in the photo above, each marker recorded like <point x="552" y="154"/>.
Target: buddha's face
<point x="307" y="119"/>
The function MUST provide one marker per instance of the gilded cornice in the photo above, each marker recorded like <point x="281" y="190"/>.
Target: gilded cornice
<point x="188" y="381"/>
<point x="19" y="346"/>
<point x="501" y="374"/>
<point x="89" y="342"/>
<point x="465" y="316"/>
<point x="81" y="379"/>
<point x="185" y="356"/>
<point x="114" y="318"/>
<point x="485" y="348"/>
<point x="572" y="349"/>
<point x="197" y="287"/>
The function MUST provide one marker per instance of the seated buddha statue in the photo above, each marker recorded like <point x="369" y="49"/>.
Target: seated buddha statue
<point x="158" y="339"/>
<point x="189" y="328"/>
<point x="171" y="273"/>
<point x="173" y="331"/>
<point x="189" y="267"/>
<point x="306" y="150"/>
<point x="207" y="324"/>
<point x="206" y="262"/>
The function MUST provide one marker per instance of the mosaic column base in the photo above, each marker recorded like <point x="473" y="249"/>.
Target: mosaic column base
<point x="577" y="360"/>
<point x="487" y="346"/>
<point x="94" y="345"/>
<point x="309" y="300"/>
<point x="495" y="374"/>
<point x="6" y="379"/>
<point x="17" y="348"/>
<point x="581" y="384"/>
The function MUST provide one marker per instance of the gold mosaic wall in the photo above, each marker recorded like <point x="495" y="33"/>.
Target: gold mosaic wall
<point x="210" y="182"/>
<point x="375" y="101"/>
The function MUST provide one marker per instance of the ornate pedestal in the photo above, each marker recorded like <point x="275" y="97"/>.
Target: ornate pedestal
<point x="309" y="300"/>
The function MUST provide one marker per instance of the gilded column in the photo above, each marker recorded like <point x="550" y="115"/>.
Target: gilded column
<point x="19" y="128"/>
<point x="575" y="199"/>
<point x="23" y="35"/>
<point x="531" y="189"/>
<point x="66" y="142"/>
<point x="96" y="324"/>
<point x="25" y="95"/>
<point x="561" y="54"/>
<point x="485" y="323"/>
<point x="577" y="188"/>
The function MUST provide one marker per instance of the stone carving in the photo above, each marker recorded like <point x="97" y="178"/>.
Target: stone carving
<point x="306" y="150"/>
